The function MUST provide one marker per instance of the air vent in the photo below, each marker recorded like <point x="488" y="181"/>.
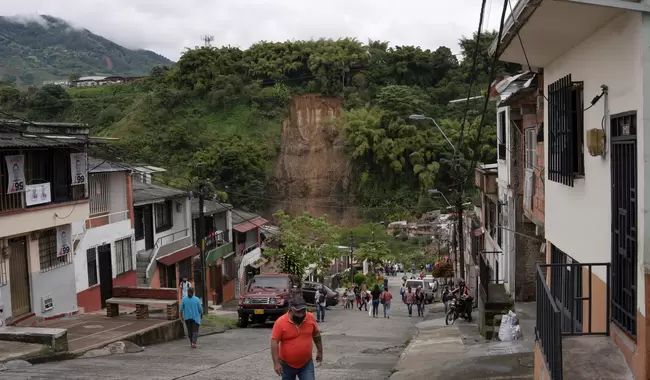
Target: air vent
<point x="47" y="303"/>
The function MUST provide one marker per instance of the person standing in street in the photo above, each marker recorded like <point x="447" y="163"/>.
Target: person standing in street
<point x="184" y="286"/>
<point x="419" y="301"/>
<point x="291" y="343"/>
<point x="192" y="309"/>
<point x="320" y="299"/>
<point x="385" y="298"/>
<point x="409" y="299"/>
<point x="376" y="293"/>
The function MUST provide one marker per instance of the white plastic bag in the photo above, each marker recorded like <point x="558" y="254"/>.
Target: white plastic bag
<point x="509" y="329"/>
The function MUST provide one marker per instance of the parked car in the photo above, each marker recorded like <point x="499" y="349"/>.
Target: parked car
<point x="309" y="292"/>
<point x="267" y="297"/>
<point x="428" y="292"/>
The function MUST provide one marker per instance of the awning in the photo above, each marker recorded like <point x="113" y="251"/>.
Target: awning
<point x="479" y="231"/>
<point x="180" y="255"/>
<point x="248" y="259"/>
<point x="250" y="224"/>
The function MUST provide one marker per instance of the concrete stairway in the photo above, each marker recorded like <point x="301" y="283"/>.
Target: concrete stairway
<point x="141" y="270"/>
<point x="498" y="303"/>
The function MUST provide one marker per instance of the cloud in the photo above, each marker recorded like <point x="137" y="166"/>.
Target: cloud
<point x="169" y="26"/>
<point x="28" y="19"/>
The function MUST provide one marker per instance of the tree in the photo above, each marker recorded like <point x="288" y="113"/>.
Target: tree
<point x="374" y="251"/>
<point x="305" y="240"/>
<point x="73" y="77"/>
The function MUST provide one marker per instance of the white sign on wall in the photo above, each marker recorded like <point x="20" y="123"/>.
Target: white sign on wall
<point x="78" y="168"/>
<point x="63" y="240"/>
<point x="16" y="171"/>
<point x="38" y="194"/>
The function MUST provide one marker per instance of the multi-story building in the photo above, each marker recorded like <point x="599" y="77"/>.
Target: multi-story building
<point x="595" y="96"/>
<point x="43" y="192"/>
<point x="248" y="243"/>
<point x="104" y="253"/>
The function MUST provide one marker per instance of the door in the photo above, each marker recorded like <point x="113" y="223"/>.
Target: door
<point x="623" y="162"/>
<point x="105" y="273"/>
<point x="309" y="292"/>
<point x="148" y="227"/>
<point x="19" y="277"/>
<point x="217" y="282"/>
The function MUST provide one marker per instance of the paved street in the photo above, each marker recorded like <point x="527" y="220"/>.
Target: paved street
<point x="356" y="346"/>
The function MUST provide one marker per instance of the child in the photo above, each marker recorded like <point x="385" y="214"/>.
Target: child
<point x="345" y="298"/>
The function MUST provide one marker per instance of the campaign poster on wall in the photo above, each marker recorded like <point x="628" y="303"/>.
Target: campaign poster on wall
<point x="78" y="168"/>
<point x="63" y="240"/>
<point x="16" y="171"/>
<point x="38" y="194"/>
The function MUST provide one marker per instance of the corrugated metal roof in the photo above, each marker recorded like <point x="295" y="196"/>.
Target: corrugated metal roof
<point x="211" y="207"/>
<point x="9" y="140"/>
<point x="97" y="165"/>
<point x="147" y="192"/>
<point x="239" y="216"/>
<point x="510" y="86"/>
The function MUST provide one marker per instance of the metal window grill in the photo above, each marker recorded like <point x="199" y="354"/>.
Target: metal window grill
<point x="560" y="144"/>
<point x="123" y="255"/>
<point x="91" y="262"/>
<point x="4" y="275"/>
<point x="49" y="259"/>
<point x="99" y="193"/>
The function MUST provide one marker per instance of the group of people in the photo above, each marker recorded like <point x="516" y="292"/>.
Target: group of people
<point x="411" y="298"/>
<point x="363" y="297"/>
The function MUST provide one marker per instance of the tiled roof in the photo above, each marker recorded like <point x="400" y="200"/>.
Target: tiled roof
<point x="147" y="192"/>
<point x="97" y="165"/>
<point x="9" y="140"/>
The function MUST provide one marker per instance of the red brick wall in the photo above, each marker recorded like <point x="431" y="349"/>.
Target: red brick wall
<point x="135" y="292"/>
<point x="228" y="291"/>
<point x="90" y="299"/>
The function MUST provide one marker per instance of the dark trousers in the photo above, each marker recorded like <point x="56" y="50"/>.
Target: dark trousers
<point x="192" y="330"/>
<point x="375" y="308"/>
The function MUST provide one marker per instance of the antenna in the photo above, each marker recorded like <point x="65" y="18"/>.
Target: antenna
<point x="207" y="39"/>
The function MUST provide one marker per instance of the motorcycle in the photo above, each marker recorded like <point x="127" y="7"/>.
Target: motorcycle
<point x="458" y="309"/>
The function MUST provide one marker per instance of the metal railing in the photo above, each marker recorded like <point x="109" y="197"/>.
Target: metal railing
<point x="242" y="249"/>
<point x="562" y="308"/>
<point x="163" y="241"/>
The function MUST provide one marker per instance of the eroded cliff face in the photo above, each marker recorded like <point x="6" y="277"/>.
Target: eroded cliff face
<point x="312" y="171"/>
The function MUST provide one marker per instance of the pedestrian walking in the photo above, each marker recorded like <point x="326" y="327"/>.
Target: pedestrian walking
<point x="385" y="299"/>
<point x="419" y="301"/>
<point x="364" y="298"/>
<point x="385" y="282"/>
<point x="409" y="299"/>
<point x="351" y="298"/>
<point x="192" y="309"/>
<point x="320" y="299"/>
<point x="291" y="343"/>
<point x="184" y="286"/>
<point x="376" y="293"/>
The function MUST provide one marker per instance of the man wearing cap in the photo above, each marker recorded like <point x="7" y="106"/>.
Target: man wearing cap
<point x="291" y="343"/>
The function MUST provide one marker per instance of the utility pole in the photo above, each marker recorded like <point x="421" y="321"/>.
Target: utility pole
<point x="461" y="239"/>
<point x="201" y="232"/>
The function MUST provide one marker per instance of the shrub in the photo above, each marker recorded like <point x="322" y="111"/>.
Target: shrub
<point x="443" y="270"/>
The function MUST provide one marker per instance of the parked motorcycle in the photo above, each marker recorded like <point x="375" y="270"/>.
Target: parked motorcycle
<point x="458" y="309"/>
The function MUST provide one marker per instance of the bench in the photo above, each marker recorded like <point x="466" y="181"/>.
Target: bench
<point x="142" y="298"/>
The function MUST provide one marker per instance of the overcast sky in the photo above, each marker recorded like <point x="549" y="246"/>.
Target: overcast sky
<point x="169" y="26"/>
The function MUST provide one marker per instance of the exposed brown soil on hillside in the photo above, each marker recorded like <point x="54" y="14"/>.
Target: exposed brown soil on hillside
<point x="312" y="171"/>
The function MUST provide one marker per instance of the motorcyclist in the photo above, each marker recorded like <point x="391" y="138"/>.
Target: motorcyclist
<point x="462" y="293"/>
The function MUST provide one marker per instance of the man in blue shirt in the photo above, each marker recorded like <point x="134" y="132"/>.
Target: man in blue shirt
<point x="192" y="309"/>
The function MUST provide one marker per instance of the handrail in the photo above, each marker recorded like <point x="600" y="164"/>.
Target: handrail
<point x="151" y="267"/>
<point x="159" y="240"/>
<point x="548" y="328"/>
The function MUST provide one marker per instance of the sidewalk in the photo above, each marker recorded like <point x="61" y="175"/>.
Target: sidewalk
<point x="438" y="351"/>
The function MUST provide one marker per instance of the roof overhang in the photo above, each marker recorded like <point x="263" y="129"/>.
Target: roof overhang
<point x="550" y="28"/>
<point x="250" y="224"/>
<point x="179" y="255"/>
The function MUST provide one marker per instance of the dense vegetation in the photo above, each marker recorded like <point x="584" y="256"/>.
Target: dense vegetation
<point x="224" y="106"/>
<point x="50" y="48"/>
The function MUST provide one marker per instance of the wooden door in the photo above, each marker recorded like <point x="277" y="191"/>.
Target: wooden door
<point x="19" y="277"/>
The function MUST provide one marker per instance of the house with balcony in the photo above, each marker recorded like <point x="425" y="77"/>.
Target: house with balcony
<point x="163" y="235"/>
<point x="248" y="243"/>
<point x="592" y="301"/>
<point x="43" y="192"/>
<point x="219" y="249"/>
<point x="105" y="242"/>
<point x="520" y="116"/>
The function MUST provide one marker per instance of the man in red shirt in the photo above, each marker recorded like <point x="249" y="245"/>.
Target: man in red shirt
<point x="291" y="343"/>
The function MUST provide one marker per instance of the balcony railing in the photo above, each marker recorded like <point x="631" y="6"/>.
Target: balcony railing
<point x="168" y="244"/>
<point x="243" y="249"/>
<point x="561" y="308"/>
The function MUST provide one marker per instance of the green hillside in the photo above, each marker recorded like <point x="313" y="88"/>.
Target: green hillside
<point x="31" y="52"/>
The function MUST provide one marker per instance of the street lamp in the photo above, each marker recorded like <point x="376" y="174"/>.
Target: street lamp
<point x="373" y="229"/>
<point x="424" y="117"/>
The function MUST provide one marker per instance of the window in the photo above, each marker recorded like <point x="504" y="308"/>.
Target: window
<point x="99" y="193"/>
<point x="185" y="268"/>
<point x="123" y="255"/>
<point x="49" y="259"/>
<point x="566" y="130"/>
<point x="229" y="269"/>
<point x="501" y="135"/>
<point x="163" y="213"/>
<point x="91" y="262"/>
<point x="530" y="141"/>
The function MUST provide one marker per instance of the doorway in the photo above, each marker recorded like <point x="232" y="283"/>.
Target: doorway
<point x="217" y="282"/>
<point x="19" y="277"/>
<point x="623" y="162"/>
<point x="147" y="212"/>
<point x="105" y="273"/>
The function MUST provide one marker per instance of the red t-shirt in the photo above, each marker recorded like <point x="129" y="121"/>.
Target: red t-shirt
<point x="387" y="296"/>
<point x="296" y="343"/>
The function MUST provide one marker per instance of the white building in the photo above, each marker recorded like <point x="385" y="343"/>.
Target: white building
<point x="38" y="205"/>
<point x="104" y="254"/>
<point x="595" y="174"/>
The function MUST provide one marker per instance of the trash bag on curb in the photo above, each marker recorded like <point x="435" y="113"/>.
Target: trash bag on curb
<point x="509" y="329"/>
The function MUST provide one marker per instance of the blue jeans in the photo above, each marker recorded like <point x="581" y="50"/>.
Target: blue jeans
<point x="304" y="373"/>
<point x="375" y="308"/>
<point x="410" y="307"/>
<point x="421" y="309"/>
<point x="320" y="313"/>
<point x="386" y="309"/>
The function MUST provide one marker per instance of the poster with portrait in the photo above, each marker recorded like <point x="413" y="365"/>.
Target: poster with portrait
<point x="63" y="240"/>
<point x="38" y="194"/>
<point x="78" y="168"/>
<point x="16" y="171"/>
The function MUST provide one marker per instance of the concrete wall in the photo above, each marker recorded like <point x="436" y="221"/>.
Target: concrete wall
<point x="21" y="222"/>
